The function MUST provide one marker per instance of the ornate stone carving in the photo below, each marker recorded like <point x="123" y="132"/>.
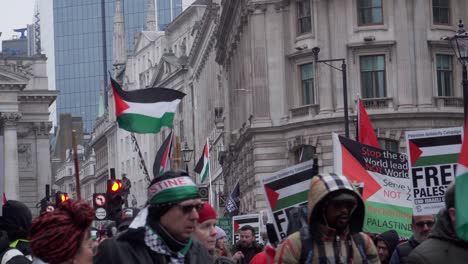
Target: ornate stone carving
<point x="24" y="156"/>
<point x="10" y="118"/>
<point x="42" y="128"/>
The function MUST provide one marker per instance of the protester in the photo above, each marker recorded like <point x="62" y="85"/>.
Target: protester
<point x="64" y="235"/>
<point x="221" y="249"/>
<point x="247" y="247"/>
<point x="442" y="245"/>
<point x="420" y="225"/>
<point x="335" y="217"/>
<point x="126" y="217"/>
<point x="15" y="223"/>
<point x="161" y="232"/>
<point x="386" y="244"/>
<point x="268" y="255"/>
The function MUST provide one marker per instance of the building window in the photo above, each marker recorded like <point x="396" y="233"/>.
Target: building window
<point x="389" y="144"/>
<point x="373" y="76"/>
<point x="304" y="153"/>
<point x="441" y="12"/>
<point x="444" y="75"/>
<point x="304" y="19"/>
<point x="370" y="12"/>
<point x="307" y="83"/>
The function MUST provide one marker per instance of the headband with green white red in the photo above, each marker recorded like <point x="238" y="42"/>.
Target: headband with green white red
<point x="172" y="190"/>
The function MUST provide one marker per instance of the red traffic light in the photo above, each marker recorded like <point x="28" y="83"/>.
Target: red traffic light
<point x="61" y="197"/>
<point x="64" y="197"/>
<point x="115" y="186"/>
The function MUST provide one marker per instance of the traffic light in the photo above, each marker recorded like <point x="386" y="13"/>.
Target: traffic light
<point x="114" y="198"/>
<point x="60" y="198"/>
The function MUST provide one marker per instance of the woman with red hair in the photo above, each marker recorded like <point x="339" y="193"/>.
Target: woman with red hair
<point x="64" y="235"/>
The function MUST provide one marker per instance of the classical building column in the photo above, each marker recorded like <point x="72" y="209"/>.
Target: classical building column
<point x="41" y="130"/>
<point x="11" y="182"/>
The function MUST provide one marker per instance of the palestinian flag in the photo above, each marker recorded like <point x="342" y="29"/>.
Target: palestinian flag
<point x="289" y="191"/>
<point x="365" y="131"/>
<point x="145" y="110"/>
<point x="203" y="164"/>
<point x="162" y="162"/>
<point x="434" y="150"/>
<point x="461" y="187"/>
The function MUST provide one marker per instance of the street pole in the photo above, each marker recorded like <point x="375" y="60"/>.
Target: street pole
<point x="77" y="166"/>
<point x="345" y="98"/>
<point x="465" y="90"/>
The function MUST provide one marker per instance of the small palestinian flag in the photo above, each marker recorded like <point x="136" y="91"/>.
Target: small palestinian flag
<point x="461" y="185"/>
<point x="162" y="162"/>
<point x="203" y="164"/>
<point x="145" y="110"/>
<point x="434" y="150"/>
<point x="365" y="130"/>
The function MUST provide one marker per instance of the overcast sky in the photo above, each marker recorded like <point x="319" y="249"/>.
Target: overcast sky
<point x="15" y="14"/>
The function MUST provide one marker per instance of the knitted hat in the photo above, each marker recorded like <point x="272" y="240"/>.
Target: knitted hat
<point x="16" y="219"/>
<point x="56" y="236"/>
<point x="220" y="233"/>
<point x="206" y="213"/>
<point x="390" y="238"/>
<point x="172" y="187"/>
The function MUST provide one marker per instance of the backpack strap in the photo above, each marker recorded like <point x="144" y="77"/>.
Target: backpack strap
<point x="307" y="248"/>
<point x="9" y="254"/>
<point x="357" y="237"/>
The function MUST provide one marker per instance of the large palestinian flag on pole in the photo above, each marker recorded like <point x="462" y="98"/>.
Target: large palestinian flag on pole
<point x="386" y="184"/>
<point x="162" y="161"/>
<point x="145" y="110"/>
<point x="286" y="189"/>
<point x="461" y="189"/>
<point x="203" y="164"/>
<point x="433" y="157"/>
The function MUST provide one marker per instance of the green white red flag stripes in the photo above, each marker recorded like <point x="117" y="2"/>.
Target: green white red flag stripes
<point x="162" y="162"/>
<point x="203" y="164"/>
<point x="365" y="131"/>
<point x="145" y="110"/>
<point x="461" y="189"/>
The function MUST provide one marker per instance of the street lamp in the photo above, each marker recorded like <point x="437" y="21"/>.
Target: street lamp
<point x="186" y="155"/>
<point x="315" y="52"/>
<point x="460" y="46"/>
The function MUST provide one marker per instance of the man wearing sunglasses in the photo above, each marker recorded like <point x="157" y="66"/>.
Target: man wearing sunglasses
<point x="420" y="225"/>
<point x="162" y="232"/>
<point x="443" y="245"/>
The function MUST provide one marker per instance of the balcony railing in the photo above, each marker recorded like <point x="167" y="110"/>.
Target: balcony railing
<point x="377" y="103"/>
<point x="304" y="111"/>
<point x="448" y="101"/>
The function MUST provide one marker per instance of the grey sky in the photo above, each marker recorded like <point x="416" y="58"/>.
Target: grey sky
<point x="14" y="14"/>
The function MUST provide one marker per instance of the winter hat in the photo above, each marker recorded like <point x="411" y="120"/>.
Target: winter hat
<point x="220" y="233"/>
<point x="56" y="236"/>
<point x="16" y="219"/>
<point x="206" y="213"/>
<point x="390" y="238"/>
<point x="172" y="187"/>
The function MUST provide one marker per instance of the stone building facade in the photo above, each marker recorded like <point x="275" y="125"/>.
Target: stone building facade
<point x="24" y="134"/>
<point x="280" y="102"/>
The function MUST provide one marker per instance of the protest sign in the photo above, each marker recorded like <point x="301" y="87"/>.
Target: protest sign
<point x="239" y="221"/>
<point x="287" y="189"/>
<point x="225" y="223"/>
<point x="432" y="165"/>
<point x="386" y="183"/>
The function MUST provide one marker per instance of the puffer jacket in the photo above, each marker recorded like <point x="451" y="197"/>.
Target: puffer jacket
<point x="129" y="247"/>
<point x="322" y="187"/>
<point x="442" y="246"/>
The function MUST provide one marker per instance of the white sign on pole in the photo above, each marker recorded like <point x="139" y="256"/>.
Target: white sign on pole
<point x="101" y="213"/>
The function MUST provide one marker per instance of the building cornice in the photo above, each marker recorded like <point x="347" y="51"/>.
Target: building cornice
<point x="42" y="96"/>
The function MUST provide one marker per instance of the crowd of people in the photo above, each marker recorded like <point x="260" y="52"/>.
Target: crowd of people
<point x="177" y="227"/>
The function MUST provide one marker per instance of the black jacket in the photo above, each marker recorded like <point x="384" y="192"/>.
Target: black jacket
<point x="249" y="253"/>
<point x="442" y="246"/>
<point x="129" y="247"/>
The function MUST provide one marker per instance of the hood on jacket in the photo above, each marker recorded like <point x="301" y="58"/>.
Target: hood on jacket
<point x="325" y="186"/>
<point x="16" y="219"/>
<point x="444" y="230"/>
<point x="390" y="238"/>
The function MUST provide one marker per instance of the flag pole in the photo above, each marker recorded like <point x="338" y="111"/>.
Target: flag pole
<point x="77" y="166"/>
<point x="209" y="172"/>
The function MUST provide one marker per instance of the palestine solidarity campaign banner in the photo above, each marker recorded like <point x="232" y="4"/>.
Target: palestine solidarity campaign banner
<point x="239" y="221"/>
<point x="433" y="162"/>
<point x="285" y="190"/>
<point x="387" y="186"/>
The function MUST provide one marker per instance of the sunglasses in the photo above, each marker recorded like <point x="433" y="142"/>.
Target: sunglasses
<point x="423" y="223"/>
<point x="186" y="209"/>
